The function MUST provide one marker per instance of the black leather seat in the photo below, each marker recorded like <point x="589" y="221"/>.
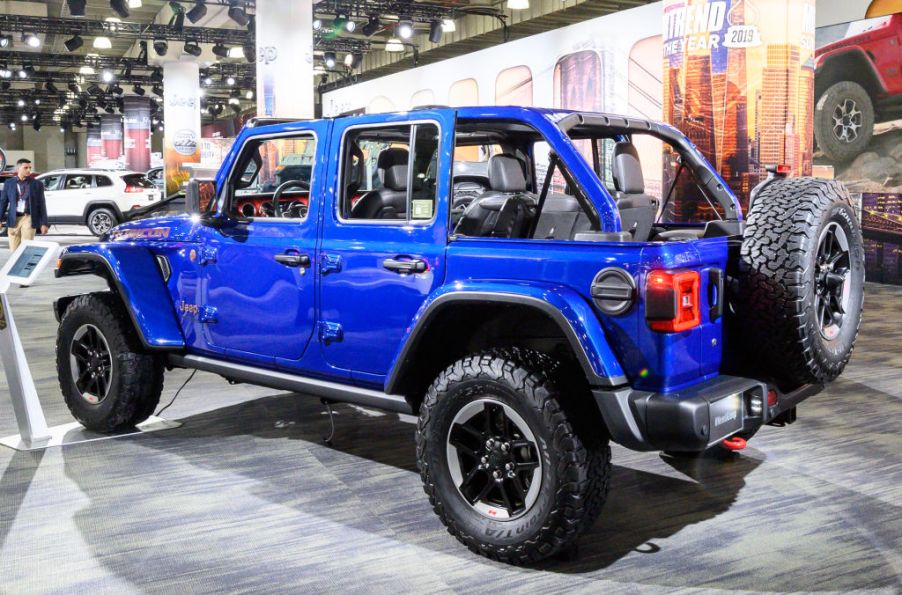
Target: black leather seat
<point x="637" y="209"/>
<point x="506" y="210"/>
<point x="390" y="201"/>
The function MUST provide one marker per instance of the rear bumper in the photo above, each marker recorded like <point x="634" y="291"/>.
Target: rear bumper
<point x="695" y="418"/>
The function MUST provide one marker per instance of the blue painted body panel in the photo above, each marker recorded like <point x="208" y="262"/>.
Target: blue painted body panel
<point x="268" y="314"/>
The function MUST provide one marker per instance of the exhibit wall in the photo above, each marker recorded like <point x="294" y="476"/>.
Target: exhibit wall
<point x="858" y="128"/>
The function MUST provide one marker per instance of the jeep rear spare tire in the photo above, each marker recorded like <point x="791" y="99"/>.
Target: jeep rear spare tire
<point x="843" y="121"/>
<point x="801" y="276"/>
<point x="503" y="466"/>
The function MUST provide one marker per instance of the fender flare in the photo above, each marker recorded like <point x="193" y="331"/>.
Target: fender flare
<point x="101" y="203"/>
<point x="573" y="315"/>
<point x="827" y="60"/>
<point x="132" y="272"/>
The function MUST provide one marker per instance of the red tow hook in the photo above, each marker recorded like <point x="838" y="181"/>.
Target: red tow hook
<point x="734" y="443"/>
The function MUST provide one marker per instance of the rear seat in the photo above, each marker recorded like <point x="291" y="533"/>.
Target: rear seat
<point x="637" y="209"/>
<point x="506" y="210"/>
<point x="562" y="218"/>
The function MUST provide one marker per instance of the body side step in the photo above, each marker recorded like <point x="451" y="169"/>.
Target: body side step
<point x="321" y="388"/>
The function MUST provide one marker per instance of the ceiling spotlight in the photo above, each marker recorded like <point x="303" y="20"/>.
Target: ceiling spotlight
<point x="31" y="40"/>
<point x="24" y="118"/>
<point x="394" y="45"/>
<point x="37" y="101"/>
<point x="5" y="72"/>
<point x="157" y="75"/>
<point x="160" y="46"/>
<point x="107" y="76"/>
<point x="138" y="90"/>
<point x="94" y="89"/>
<point x="73" y="86"/>
<point x="20" y="102"/>
<point x="435" y="31"/>
<point x="76" y="7"/>
<point x="51" y="87"/>
<point x="220" y="50"/>
<point x="197" y="12"/>
<point x="157" y="90"/>
<point x="250" y="52"/>
<point x="208" y="81"/>
<point x="108" y="108"/>
<point x="102" y="43"/>
<point x="249" y="95"/>
<point x="237" y="13"/>
<point x="448" y="26"/>
<point x="74" y="43"/>
<point x="234" y="101"/>
<point x="121" y="8"/>
<point x="12" y="125"/>
<point x="317" y="24"/>
<point x="117" y="90"/>
<point x="230" y="81"/>
<point x="405" y="29"/>
<point x="329" y="59"/>
<point x="6" y="41"/>
<point x="350" y="26"/>
<point x="23" y="74"/>
<point x="372" y="26"/>
<point x="192" y="48"/>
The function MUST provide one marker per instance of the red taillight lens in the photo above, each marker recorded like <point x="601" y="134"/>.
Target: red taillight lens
<point x="672" y="301"/>
<point x="134" y="189"/>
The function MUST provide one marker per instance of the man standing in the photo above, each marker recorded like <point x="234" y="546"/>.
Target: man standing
<point x="27" y="209"/>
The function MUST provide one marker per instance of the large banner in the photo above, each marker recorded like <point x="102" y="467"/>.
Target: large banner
<point x="182" y="133"/>
<point x="94" y="153"/>
<point x="858" y="128"/>
<point x="284" y="58"/>
<point x="136" y="126"/>
<point x="738" y="81"/>
<point x="111" y="136"/>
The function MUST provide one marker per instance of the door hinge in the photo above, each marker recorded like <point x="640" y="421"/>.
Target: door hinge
<point x="330" y="331"/>
<point x="207" y="314"/>
<point x="207" y="255"/>
<point x="330" y="263"/>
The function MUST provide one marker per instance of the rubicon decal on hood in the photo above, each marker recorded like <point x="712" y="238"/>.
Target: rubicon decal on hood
<point x="148" y="233"/>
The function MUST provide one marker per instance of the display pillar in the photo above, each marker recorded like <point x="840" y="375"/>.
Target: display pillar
<point x="93" y="145"/>
<point x="111" y="135"/>
<point x="285" y="58"/>
<point x="136" y="130"/>
<point x="739" y="82"/>
<point x="181" y="98"/>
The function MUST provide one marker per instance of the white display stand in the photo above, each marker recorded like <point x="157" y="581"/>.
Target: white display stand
<point x="23" y="268"/>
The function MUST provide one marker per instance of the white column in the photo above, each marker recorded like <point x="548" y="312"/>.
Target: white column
<point x="285" y="58"/>
<point x="181" y="98"/>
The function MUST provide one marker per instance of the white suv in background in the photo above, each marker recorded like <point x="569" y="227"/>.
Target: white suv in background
<point x="95" y="197"/>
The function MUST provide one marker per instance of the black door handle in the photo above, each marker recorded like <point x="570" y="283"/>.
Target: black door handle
<point x="405" y="266"/>
<point x="293" y="260"/>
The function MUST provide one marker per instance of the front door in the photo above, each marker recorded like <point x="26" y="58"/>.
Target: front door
<point x="259" y="285"/>
<point x="385" y="235"/>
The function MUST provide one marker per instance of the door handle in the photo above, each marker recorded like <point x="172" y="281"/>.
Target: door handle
<point x="293" y="259"/>
<point x="405" y="266"/>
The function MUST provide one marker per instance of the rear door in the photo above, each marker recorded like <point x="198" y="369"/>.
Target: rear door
<point x="379" y="261"/>
<point x="258" y="295"/>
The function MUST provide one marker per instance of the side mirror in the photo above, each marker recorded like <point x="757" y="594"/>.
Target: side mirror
<point x="192" y="197"/>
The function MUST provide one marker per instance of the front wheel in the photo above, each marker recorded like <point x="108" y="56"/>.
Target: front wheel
<point x="108" y="381"/>
<point x="101" y="220"/>
<point x="501" y="462"/>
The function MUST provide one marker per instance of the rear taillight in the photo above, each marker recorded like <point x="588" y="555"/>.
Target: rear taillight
<point x="672" y="300"/>
<point x="134" y="189"/>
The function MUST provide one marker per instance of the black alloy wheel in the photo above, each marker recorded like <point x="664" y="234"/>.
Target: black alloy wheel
<point x="91" y="363"/>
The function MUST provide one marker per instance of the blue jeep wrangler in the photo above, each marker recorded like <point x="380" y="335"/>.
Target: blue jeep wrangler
<point x="516" y="277"/>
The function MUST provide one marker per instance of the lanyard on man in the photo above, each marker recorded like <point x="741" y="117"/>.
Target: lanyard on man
<point x="22" y="204"/>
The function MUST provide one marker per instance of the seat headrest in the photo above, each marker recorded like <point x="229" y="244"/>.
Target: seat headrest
<point x="627" y="169"/>
<point x="506" y="174"/>
<point x="393" y="162"/>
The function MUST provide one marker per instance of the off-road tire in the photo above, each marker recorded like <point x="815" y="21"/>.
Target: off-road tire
<point x="136" y="378"/>
<point x="778" y="280"/>
<point x="836" y="150"/>
<point x="576" y="462"/>
<point x="96" y="217"/>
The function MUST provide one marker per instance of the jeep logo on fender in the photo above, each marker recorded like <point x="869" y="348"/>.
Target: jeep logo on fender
<point x="185" y="142"/>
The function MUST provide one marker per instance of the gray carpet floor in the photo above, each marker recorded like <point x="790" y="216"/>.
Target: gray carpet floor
<point x="245" y="497"/>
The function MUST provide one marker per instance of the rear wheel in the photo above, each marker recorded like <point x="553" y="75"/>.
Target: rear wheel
<point x="500" y="459"/>
<point x="107" y="380"/>
<point x="101" y="220"/>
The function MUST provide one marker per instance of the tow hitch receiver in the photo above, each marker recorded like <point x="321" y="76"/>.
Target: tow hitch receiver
<point x="734" y="443"/>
